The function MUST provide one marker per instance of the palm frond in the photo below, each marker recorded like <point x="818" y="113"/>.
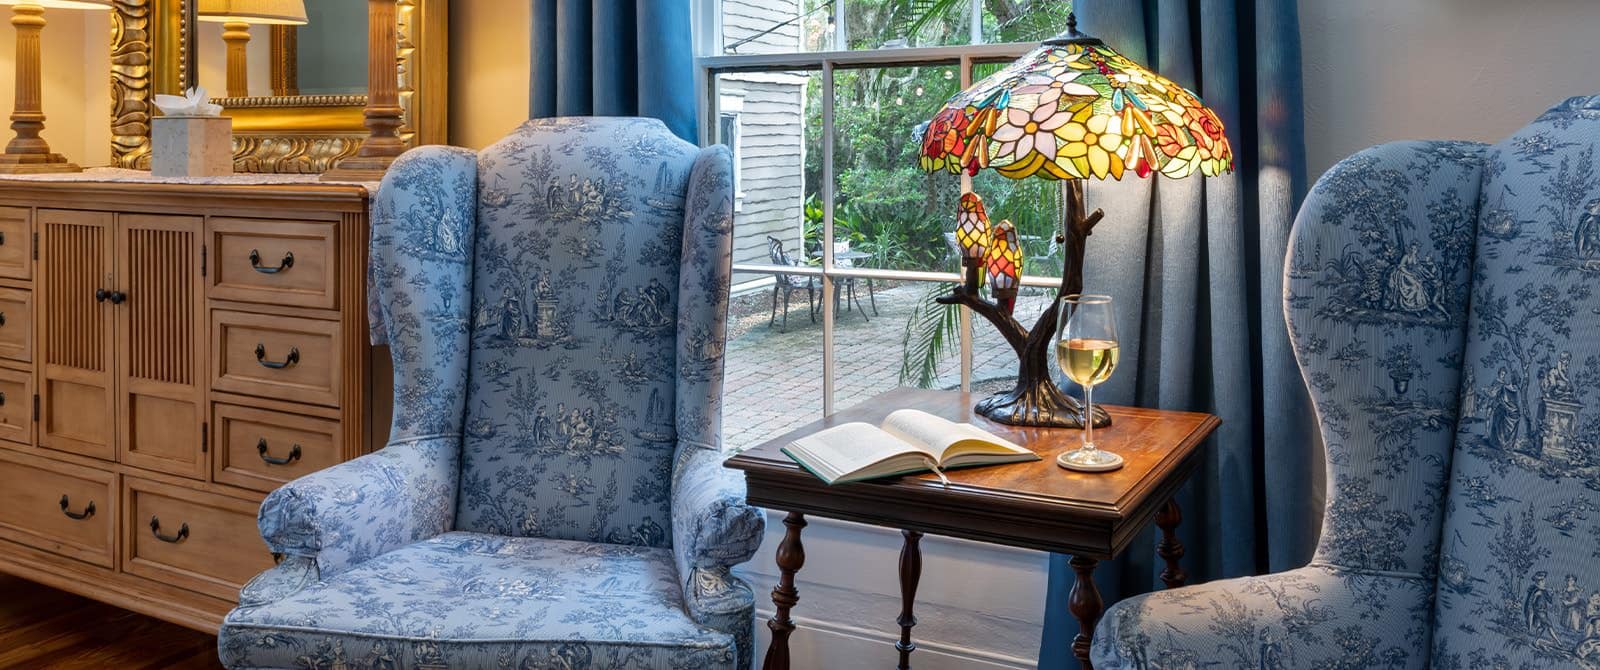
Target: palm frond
<point x="932" y="334"/>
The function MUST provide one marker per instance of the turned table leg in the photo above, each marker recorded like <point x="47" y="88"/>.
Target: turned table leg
<point x="791" y="556"/>
<point x="1085" y="604"/>
<point x="1170" y="549"/>
<point x="910" y="573"/>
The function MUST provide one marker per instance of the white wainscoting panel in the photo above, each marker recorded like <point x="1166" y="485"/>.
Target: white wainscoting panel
<point x="978" y="606"/>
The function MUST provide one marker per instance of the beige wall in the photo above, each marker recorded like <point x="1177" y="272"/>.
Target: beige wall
<point x="488" y="69"/>
<point x="1382" y="70"/>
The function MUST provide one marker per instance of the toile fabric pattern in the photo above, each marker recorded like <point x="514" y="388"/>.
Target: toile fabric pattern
<point x="552" y="495"/>
<point x="1440" y="298"/>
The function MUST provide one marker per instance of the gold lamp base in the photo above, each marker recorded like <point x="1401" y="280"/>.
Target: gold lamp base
<point x="36" y="164"/>
<point x="359" y="168"/>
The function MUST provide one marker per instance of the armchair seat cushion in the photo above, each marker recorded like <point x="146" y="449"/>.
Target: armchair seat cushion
<point x="1317" y="617"/>
<point x="469" y="600"/>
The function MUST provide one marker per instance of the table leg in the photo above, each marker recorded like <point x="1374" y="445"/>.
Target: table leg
<point x="910" y="574"/>
<point x="791" y="556"/>
<point x="1085" y="604"/>
<point x="1170" y="549"/>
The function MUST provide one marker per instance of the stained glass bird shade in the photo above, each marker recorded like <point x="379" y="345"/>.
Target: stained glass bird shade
<point x="1075" y="109"/>
<point x="1004" y="260"/>
<point x="972" y="227"/>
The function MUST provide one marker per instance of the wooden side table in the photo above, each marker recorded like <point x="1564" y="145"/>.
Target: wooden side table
<point x="1034" y="505"/>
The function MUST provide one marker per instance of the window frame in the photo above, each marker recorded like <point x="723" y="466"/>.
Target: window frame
<point x="710" y="63"/>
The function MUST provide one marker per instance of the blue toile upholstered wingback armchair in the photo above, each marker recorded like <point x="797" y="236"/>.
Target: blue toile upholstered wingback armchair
<point x="552" y="494"/>
<point x="1442" y="301"/>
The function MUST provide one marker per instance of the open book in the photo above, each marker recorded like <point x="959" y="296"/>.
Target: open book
<point x="908" y="441"/>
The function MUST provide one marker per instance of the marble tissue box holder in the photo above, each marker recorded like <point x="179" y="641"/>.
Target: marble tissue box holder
<point x="191" y="146"/>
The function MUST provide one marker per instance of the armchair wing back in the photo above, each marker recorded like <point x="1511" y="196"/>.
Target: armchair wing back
<point x="1518" y="583"/>
<point x="1439" y="299"/>
<point x="552" y="495"/>
<point x="572" y="385"/>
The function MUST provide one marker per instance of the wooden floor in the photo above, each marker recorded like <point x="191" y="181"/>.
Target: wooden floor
<point x="41" y="627"/>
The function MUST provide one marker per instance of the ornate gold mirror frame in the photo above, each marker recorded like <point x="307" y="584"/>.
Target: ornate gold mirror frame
<point x="152" y="52"/>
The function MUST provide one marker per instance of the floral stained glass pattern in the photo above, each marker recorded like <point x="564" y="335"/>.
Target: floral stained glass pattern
<point x="1074" y="111"/>
<point x="972" y="228"/>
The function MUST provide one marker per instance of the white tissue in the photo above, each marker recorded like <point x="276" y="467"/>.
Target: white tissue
<point x="193" y="102"/>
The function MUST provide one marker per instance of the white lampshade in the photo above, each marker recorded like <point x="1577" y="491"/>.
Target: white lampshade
<point x="62" y="4"/>
<point x="282" y="12"/>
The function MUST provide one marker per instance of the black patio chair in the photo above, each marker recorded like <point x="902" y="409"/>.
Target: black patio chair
<point x="786" y="284"/>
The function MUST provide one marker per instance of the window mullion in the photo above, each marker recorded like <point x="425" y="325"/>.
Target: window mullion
<point x="965" y="325"/>
<point x="827" y="236"/>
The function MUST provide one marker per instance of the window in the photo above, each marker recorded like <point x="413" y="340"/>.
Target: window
<point x="840" y="242"/>
<point x="728" y="133"/>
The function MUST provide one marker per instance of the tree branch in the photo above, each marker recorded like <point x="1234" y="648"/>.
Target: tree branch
<point x="1008" y="325"/>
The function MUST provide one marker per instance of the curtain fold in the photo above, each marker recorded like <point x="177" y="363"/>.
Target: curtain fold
<point x="613" y="58"/>
<point x="1196" y="268"/>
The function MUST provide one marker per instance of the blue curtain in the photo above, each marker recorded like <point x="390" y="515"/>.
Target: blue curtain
<point x="613" y="58"/>
<point x="1196" y="268"/>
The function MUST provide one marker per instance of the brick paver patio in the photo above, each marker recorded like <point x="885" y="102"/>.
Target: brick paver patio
<point x="773" y="381"/>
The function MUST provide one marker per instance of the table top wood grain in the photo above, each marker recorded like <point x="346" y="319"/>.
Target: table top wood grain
<point x="1036" y="505"/>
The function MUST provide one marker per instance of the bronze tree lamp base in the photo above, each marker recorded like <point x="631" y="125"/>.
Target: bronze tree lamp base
<point x="1036" y="400"/>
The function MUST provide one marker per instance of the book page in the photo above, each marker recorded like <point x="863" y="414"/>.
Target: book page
<point x="945" y="438"/>
<point x="851" y="447"/>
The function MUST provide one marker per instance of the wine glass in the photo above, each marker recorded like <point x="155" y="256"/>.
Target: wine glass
<point x="1086" y="350"/>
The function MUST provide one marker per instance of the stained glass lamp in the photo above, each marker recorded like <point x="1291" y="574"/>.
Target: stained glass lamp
<point x="1004" y="263"/>
<point x="972" y="234"/>
<point x="1070" y="110"/>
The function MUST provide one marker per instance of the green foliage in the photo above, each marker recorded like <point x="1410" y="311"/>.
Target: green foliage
<point x="932" y="334"/>
<point x="884" y="203"/>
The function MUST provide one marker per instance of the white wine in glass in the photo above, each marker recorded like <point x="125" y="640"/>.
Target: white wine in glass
<point x="1086" y="350"/>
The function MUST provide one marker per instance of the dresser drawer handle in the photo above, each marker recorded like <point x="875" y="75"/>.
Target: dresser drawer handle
<point x="2" y="318"/>
<point x="261" y="357"/>
<point x="155" y="529"/>
<point x="77" y="516"/>
<point x="2" y="398"/>
<point x="286" y="263"/>
<point x="261" y="448"/>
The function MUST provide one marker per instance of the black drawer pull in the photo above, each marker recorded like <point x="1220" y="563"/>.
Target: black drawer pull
<point x="2" y="398"/>
<point x="77" y="516"/>
<point x="2" y="318"/>
<point x="155" y="529"/>
<point x="286" y="263"/>
<point x="261" y="448"/>
<point x="101" y="294"/>
<point x="261" y="357"/>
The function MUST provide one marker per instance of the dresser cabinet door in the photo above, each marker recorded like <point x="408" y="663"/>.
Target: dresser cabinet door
<point x="160" y="347"/>
<point x="75" y="355"/>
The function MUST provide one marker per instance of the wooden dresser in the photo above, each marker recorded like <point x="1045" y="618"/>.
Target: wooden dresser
<point x="168" y="355"/>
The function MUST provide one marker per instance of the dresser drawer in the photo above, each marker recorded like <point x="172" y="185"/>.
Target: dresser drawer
<point x="16" y="406"/>
<point x="274" y="262"/>
<point x="199" y="541"/>
<point x="16" y="324"/>
<point x="284" y="358"/>
<point x="58" y="507"/>
<point x="16" y="243"/>
<point x="262" y="449"/>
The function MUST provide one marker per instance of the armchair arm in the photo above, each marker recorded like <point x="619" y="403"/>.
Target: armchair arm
<point x="712" y="526"/>
<point x="1314" y="617"/>
<point x="342" y="516"/>
<point x="713" y="529"/>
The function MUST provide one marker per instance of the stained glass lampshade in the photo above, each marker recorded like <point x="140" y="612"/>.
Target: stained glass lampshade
<point x="972" y="228"/>
<point x="1074" y="109"/>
